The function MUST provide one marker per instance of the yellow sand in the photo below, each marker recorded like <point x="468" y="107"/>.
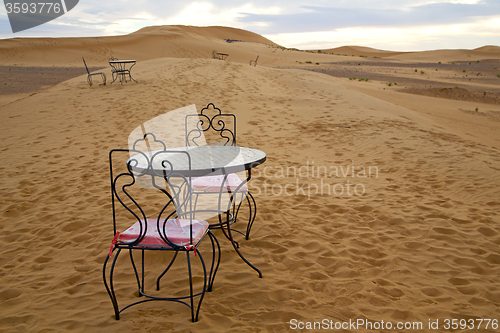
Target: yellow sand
<point x="421" y="243"/>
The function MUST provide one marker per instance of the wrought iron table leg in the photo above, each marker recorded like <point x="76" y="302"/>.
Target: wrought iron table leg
<point x="235" y="244"/>
<point x="129" y="74"/>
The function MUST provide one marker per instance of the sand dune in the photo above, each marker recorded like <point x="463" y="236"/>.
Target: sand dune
<point x="213" y="32"/>
<point x="198" y="42"/>
<point x="485" y="52"/>
<point x="362" y="51"/>
<point x="421" y="243"/>
<point x="147" y="43"/>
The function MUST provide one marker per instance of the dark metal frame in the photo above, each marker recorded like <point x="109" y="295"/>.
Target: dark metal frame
<point x="181" y="198"/>
<point x="205" y="123"/>
<point x="89" y="75"/>
<point x="120" y="70"/>
<point x="218" y="124"/>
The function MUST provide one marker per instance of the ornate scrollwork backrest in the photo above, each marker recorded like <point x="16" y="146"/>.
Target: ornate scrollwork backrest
<point x="223" y="124"/>
<point x="114" y="67"/>
<point x="150" y="141"/>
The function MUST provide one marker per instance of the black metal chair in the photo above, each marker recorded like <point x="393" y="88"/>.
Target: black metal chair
<point x="156" y="223"/>
<point x="221" y="126"/>
<point x="89" y="75"/>
<point x="254" y="62"/>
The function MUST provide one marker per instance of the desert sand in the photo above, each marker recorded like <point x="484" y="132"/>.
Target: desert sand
<point x="415" y="237"/>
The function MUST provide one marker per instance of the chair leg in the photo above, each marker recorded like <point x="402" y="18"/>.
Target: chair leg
<point x="251" y="219"/>
<point x="142" y="266"/>
<point x="110" y="288"/>
<point x="202" y="294"/>
<point x="136" y="273"/>
<point x="213" y="271"/>
<point x="190" y="286"/>
<point x="207" y="281"/>
<point x="194" y="314"/>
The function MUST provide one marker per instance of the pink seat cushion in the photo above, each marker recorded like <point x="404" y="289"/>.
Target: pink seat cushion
<point x="177" y="231"/>
<point x="213" y="183"/>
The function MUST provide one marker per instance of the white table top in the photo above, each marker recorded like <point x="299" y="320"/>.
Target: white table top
<point x="205" y="160"/>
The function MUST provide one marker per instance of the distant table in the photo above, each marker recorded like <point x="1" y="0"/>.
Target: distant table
<point x="222" y="56"/>
<point x="122" y="68"/>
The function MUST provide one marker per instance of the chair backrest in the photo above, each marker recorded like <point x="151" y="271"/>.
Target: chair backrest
<point x="134" y="203"/>
<point x="88" y="72"/>
<point x="114" y="67"/>
<point x="211" y="126"/>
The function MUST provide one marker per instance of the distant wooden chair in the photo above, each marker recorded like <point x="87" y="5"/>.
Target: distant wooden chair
<point x="254" y="61"/>
<point x="89" y="75"/>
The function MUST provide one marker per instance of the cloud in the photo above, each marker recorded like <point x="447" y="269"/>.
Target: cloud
<point x="404" y="24"/>
<point x="453" y="36"/>
<point x="315" y="18"/>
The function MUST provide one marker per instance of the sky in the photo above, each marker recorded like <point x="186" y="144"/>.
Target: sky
<point x="396" y="25"/>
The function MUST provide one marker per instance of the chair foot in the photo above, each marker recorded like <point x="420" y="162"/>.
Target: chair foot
<point x="110" y="288"/>
<point x="214" y="267"/>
